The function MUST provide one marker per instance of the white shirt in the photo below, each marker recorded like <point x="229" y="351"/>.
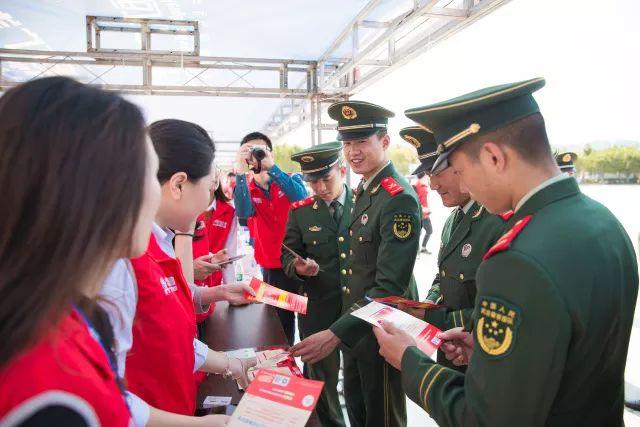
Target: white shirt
<point x="119" y="299"/>
<point x="341" y="198"/>
<point x="466" y="207"/>
<point x="539" y="188"/>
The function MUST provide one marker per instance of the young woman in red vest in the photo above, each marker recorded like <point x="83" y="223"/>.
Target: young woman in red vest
<point x="165" y="353"/>
<point x="65" y="218"/>
<point x="216" y="239"/>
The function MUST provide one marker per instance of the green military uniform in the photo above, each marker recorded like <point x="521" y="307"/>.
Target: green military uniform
<point x="385" y="232"/>
<point x="313" y="232"/>
<point x="566" y="162"/>
<point x="466" y="237"/>
<point x="555" y="298"/>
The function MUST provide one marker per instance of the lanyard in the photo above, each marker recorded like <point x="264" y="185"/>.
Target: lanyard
<point x="107" y="351"/>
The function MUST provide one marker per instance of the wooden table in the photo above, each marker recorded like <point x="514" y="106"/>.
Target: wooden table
<point x="231" y="328"/>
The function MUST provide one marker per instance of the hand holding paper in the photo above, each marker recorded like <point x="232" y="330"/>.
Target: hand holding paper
<point x="276" y="297"/>
<point x="423" y="334"/>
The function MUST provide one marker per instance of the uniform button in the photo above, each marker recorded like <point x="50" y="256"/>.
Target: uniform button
<point x="343" y="271"/>
<point x="348" y="291"/>
<point x="360" y="239"/>
<point x="350" y="232"/>
<point x="350" y="252"/>
<point x="340" y="239"/>
<point x="314" y="242"/>
<point x="442" y="273"/>
<point x="461" y="276"/>
<point x="344" y="289"/>
<point x="343" y="255"/>
<point x="350" y="272"/>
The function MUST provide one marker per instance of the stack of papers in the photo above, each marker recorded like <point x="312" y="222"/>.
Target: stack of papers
<point x="276" y="400"/>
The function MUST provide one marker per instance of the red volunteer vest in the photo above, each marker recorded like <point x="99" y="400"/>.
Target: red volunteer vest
<point x="216" y="231"/>
<point x="66" y="360"/>
<point x="160" y="363"/>
<point x="269" y="223"/>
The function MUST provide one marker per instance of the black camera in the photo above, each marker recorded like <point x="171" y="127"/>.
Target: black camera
<point x="258" y="153"/>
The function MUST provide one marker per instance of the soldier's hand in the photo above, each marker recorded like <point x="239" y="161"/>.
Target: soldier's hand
<point x="316" y="347"/>
<point x="457" y="346"/>
<point x="306" y="267"/>
<point x="415" y="312"/>
<point x="393" y="343"/>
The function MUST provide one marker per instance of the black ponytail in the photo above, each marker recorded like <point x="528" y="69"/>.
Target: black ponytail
<point x="182" y="147"/>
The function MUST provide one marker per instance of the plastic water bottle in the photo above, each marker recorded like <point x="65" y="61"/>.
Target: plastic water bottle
<point x="238" y="271"/>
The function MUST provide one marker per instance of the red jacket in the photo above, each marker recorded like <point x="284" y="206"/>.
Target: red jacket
<point x="67" y="361"/>
<point x="268" y="225"/>
<point x="422" y="190"/>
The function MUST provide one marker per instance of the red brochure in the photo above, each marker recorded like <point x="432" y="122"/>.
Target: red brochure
<point x="276" y="297"/>
<point x="277" y="400"/>
<point x="396" y="300"/>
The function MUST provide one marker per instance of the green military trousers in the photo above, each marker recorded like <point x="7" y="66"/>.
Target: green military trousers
<point x="372" y="388"/>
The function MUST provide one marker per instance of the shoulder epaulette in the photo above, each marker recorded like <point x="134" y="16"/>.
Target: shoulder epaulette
<point x="504" y="242"/>
<point x="507" y="215"/>
<point x="301" y="203"/>
<point x="391" y="185"/>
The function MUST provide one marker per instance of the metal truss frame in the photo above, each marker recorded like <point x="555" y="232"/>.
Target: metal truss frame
<point x="385" y="46"/>
<point x="379" y="40"/>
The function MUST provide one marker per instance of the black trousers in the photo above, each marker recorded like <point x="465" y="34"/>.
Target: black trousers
<point x="426" y="225"/>
<point x="277" y="278"/>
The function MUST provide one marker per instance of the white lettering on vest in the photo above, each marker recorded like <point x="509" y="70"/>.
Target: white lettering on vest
<point x="168" y="285"/>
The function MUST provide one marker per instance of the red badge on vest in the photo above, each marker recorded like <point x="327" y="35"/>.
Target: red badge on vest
<point x="504" y="242"/>
<point x="391" y="185"/>
<point x="507" y="215"/>
<point x="301" y="203"/>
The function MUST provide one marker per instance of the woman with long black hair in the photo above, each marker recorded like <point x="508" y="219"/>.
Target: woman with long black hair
<point x="65" y="217"/>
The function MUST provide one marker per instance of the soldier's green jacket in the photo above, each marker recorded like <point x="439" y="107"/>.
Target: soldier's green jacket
<point x="553" y="317"/>
<point x="458" y="260"/>
<point x="385" y="232"/>
<point x="312" y="232"/>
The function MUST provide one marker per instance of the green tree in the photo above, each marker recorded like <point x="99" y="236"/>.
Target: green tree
<point x="624" y="160"/>
<point x="402" y="158"/>
<point x="282" y="156"/>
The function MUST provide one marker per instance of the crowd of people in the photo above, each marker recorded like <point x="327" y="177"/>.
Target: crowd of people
<point x="118" y="238"/>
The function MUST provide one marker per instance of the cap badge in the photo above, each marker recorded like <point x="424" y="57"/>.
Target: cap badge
<point x="315" y="228"/>
<point x="466" y="250"/>
<point x="566" y="158"/>
<point x="348" y="112"/>
<point x="307" y="159"/>
<point x="413" y="141"/>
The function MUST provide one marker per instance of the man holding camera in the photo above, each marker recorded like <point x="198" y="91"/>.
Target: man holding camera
<point x="266" y="199"/>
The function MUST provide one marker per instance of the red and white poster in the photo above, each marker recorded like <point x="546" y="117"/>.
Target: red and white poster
<point x="276" y="297"/>
<point x="422" y="332"/>
<point x="276" y="400"/>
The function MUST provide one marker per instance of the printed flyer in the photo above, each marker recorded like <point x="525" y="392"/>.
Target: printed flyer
<point x="276" y="297"/>
<point x="421" y="331"/>
<point x="277" y="400"/>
